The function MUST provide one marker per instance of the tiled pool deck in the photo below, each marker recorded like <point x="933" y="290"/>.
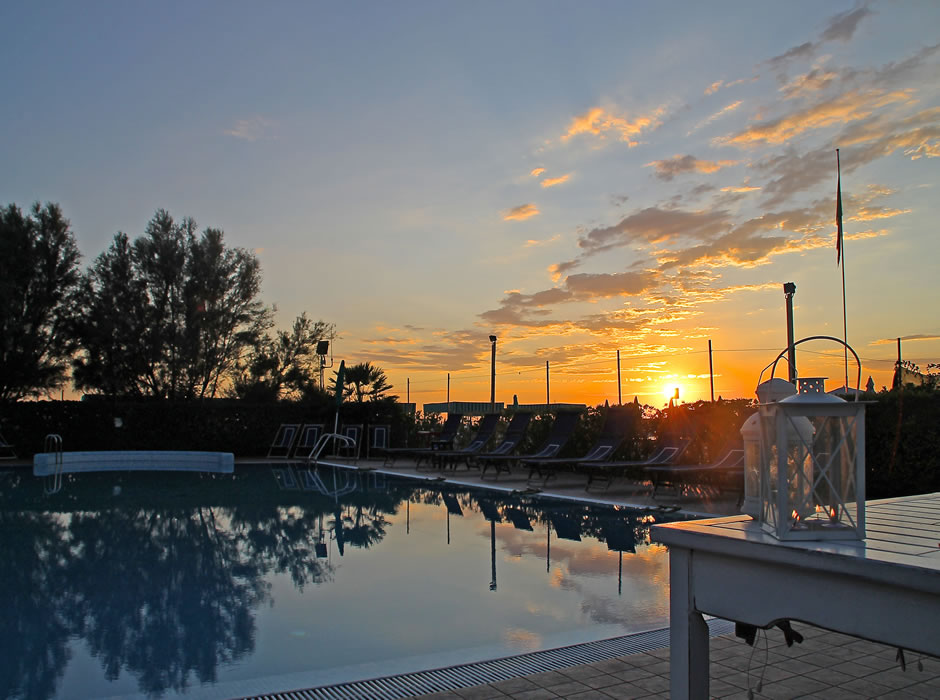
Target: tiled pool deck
<point x="827" y="666"/>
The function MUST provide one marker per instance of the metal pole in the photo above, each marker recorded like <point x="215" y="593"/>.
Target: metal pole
<point x="845" y="333"/>
<point x="711" y="369"/>
<point x="619" y="388"/>
<point x="492" y="371"/>
<point x="789" y="289"/>
<point x="548" y="399"/>
<point x="448" y="387"/>
<point x="408" y="391"/>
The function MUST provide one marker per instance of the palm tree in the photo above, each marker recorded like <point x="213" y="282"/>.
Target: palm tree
<point x="366" y="381"/>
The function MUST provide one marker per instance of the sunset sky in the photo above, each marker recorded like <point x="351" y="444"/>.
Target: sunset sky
<point x="575" y="178"/>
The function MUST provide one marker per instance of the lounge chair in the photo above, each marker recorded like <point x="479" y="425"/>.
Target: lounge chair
<point x="514" y="434"/>
<point x="442" y="441"/>
<point x="484" y="432"/>
<point x="352" y="446"/>
<point x="668" y="454"/>
<point x="558" y="437"/>
<point x="309" y="435"/>
<point x="283" y="441"/>
<point x="726" y="472"/>
<point x="612" y="435"/>
<point x="379" y="439"/>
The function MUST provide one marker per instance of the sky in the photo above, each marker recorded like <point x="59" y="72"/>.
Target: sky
<point x="577" y="179"/>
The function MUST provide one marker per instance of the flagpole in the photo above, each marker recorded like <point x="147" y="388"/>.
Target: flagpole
<point x="841" y="256"/>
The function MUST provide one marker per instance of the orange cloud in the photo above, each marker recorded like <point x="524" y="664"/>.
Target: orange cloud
<point x="741" y="188"/>
<point x="552" y="181"/>
<point x="669" y="168"/>
<point x="599" y="122"/>
<point x="537" y="171"/>
<point x="843" y="109"/>
<point x="521" y="213"/>
<point x="534" y="243"/>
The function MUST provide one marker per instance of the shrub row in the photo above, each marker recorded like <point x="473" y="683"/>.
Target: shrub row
<point x="902" y="430"/>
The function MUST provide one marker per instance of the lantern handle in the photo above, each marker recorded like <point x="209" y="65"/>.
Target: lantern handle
<point x="858" y="362"/>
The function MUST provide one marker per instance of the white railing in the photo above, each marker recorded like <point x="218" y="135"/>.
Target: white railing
<point x="53" y="446"/>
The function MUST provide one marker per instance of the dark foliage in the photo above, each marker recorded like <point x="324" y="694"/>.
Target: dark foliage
<point x="38" y="277"/>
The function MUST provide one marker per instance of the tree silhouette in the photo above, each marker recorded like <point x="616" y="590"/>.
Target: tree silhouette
<point x="187" y="304"/>
<point x="366" y="381"/>
<point x="38" y="276"/>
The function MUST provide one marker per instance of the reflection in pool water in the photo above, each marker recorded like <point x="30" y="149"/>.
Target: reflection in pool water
<point x="177" y="581"/>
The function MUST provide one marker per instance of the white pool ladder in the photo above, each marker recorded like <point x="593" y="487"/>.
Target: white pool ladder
<point x="53" y="445"/>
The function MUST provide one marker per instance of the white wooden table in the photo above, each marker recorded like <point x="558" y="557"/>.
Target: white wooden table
<point x="885" y="588"/>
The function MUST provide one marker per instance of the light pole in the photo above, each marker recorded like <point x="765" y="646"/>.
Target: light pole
<point x="492" y="370"/>
<point x="789" y="289"/>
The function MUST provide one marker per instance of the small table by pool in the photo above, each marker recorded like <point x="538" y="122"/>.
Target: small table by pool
<point x="885" y="588"/>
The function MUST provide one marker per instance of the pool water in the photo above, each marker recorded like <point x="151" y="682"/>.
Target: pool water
<point x="168" y="584"/>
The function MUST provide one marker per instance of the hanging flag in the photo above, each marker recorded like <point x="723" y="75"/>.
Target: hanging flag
<point x="838" y="211"/>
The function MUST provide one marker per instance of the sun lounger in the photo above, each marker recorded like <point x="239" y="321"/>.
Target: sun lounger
<point x="283" y="441"/>
<point x="485" y="431"/>
<point x="724" y="473"/>
<point x="380" y="439"/>
<point x="559" y="435"/>
<point x="309" y="435"/>
<point x="666" y="455"/>
<point x="443" y="441"/>
<point x="514" y="434"/>
<point x="614" y="432"/>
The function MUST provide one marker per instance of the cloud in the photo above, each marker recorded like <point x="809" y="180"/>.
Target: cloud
<point x="667" y="169"/>
<point x="656" y="225"/>
<point x="728" y="109"/>
<point x="842" y="26"/>
<point x="552" y="181"/>
<point x="251" y="129"/>
<point x="537" y="171"/>
<point x="521" y="212"/>
<point x="599" y="122"/>
<point x="807" y="83"/>
<point x="916" y="336"/>
<point x="714" y="87"/>
<point x="740" y="188"/>
<point x="533" y="243"/>
<point x="807" y="49"/>
<point x="558" y="270"/>
<point x="850" y="106"/>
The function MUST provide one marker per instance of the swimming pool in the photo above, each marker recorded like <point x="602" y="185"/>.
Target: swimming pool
<point x="218" y="585"/>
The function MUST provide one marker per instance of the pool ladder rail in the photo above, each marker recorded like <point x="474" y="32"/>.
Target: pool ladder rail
<point x="53" y="445"/>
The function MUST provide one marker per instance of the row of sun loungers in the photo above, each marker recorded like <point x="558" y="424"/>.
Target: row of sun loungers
<point x="662" y="469"/>
<point x="302" y="442"/>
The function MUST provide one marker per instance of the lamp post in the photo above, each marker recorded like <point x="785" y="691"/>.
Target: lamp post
<point x="493" y="370"/>
<point x="789" y="289"/>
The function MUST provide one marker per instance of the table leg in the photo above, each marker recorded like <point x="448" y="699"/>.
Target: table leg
<point x="688" y="633"/>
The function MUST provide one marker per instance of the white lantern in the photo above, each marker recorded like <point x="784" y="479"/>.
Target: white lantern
<point x="812" y="465"/>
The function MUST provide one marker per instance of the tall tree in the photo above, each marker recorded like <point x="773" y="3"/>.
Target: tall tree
<point x="191" y="310"/>
<point x="38" y="276"/>
<point x="114" y="300"/>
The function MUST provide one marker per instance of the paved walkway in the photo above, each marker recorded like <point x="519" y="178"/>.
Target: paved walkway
<point x="826" y="666"/>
